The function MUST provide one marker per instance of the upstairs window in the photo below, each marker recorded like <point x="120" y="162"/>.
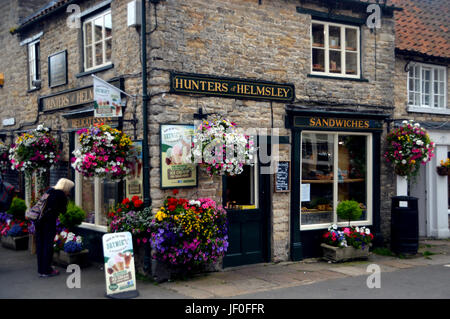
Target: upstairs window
<point x="33" y="63"/>
<point x="335" y="50"/>
<point x="427" y="87"/>
<point x="97" y="41"/>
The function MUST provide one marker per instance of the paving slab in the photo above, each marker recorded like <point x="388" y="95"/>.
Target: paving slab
<point x="350" y="270"/>
<point x="395" y="264"/>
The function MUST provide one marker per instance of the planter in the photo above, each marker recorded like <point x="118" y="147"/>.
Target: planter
<point x="64" y="259"/>
<point x="16" y="243"/>
<point x="442" y="171"/>
<point x="338" y="254"/>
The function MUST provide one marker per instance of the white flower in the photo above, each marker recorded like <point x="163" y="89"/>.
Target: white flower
<point x="367" y="231"/>
<point x="63" y="234"/>
<point x="79" y="240"/>
<point x="335" y="226"/>
<point x="357" y="229"/>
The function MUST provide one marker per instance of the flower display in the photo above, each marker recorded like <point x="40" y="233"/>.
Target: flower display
<point x="16" y="228"/>
<point x="131" y="216"/>
<point x="5" y="222"/>
<point x="191" y="234"/>
<point x="220" y="148"/>
<point x="68" y="242"/>
<point x="445" y="163"/>
<point x="408" y="147"/>
<point x="104" y="152"/>
<point x="5" y="164"/>
<point x="37" y="150"/>
<point x="357" y="237"/>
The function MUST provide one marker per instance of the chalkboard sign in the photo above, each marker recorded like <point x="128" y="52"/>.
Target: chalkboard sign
<point x="282" y="178"/>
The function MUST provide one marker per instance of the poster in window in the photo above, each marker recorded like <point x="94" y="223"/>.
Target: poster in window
<point x="57" y="69"/>
<point x="175" y="148"/>
<point x="134" y="185"/>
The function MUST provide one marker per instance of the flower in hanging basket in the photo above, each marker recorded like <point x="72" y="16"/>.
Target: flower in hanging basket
<point x="37" y="150"/>
<point x="104" y="152"/>
<point x="221" y="149"/>
<point x="408" y="147"/>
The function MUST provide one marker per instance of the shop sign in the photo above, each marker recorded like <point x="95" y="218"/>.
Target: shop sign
<point x="119" y="263"/>
<point x="175" y="145"/>
<point x="134" y="186"/>
<point x="107" y="102"/>
<point x="231" y="88"/>
<point x="335" y="123"/>
<point x="68" y="98"/>
<point x="77" y="123"/>
<point x="57" y="69"/>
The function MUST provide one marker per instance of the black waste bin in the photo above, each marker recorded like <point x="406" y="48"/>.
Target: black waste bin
<point x="404" y="225"/>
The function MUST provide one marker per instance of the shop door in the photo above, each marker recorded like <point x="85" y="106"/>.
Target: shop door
<point x="247" y="225"/>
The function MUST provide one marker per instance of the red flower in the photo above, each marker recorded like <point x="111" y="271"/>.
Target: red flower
<point x="138" y="203"/>
<point x="172" y="207"/>
<point x="119" y="210"/>
<point x="175" y="191"/>
<point x="125" y="201"/>
<point x="135" y="198"/>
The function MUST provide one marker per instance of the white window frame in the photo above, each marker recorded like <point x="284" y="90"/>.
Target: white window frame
<point x="343" y="50"/>
<point x="369" y="181"/>
<point x="421" y="107"/>
<point x="33" y="63"/>
<point x="103" y="41"/>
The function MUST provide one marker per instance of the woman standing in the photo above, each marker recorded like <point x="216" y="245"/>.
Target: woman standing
<point x="46" y="226"/>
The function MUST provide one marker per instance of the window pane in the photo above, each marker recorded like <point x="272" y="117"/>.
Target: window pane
<point x="88" y="33"/>
<point x="319" y="60"/>
<point x="110" y="194"/>
<point x="108" y="25"/>
<point x="442" y="101"/>
<point x="88" y="199"/>
<point x="98" y="31"/>
<point x="108" y="47"/>
<point x="317" y="177"/>
<point x="318" y="35"/>
<point x="88" y="57"/>
<point x="351" y="63"/>
<point x="411" y="98"/>
<point x="352" y="171"/>
<point x="351" y="42"/>
<point x="335" y="37"/>
<point x="241" y="190"/>
<point x="335" y="62"/>
<point x="99" y="53"/>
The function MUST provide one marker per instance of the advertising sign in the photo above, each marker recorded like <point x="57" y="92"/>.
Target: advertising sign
<point x="119" y="263"/>
<point x="57" y="69"/>
<point x="134" y="185"/>
<point x="175" y="146"/>
<point x="107" y="102"/>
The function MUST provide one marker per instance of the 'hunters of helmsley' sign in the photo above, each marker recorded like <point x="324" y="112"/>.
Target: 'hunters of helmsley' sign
<point x="231" y="88"/>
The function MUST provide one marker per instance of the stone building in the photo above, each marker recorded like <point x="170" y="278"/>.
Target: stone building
<point x="327" y="73"/>
<point x="422" y="59"/>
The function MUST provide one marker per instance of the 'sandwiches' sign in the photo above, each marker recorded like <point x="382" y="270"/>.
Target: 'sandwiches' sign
<point x="228" y="87"/>
<point x="337" y="123"/>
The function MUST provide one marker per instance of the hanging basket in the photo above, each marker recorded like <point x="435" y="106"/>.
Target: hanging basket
<point x="442" y="170"/>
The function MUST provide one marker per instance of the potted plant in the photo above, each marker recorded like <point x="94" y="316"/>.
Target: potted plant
<point x="74" y="216"/>
<point x="350" y="242"/>
<point x="69" y="249"/>
<point x="16" y="236"/>
<point x="444" y="168"/>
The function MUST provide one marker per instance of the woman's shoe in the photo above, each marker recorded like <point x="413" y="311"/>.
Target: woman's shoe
<point x="52" y="274"/>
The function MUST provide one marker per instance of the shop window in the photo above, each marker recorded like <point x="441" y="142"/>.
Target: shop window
<point x="335" y="167"/>
<point x="33" y="63"/>
<point x="335" y="49"/>
<point x="241" y="190"/>
<point x="97" y="41"/>
<point x="427" y="86"/>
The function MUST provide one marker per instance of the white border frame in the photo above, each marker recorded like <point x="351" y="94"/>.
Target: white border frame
<point x="343" y="50"/>
<point x="369" y="181"/>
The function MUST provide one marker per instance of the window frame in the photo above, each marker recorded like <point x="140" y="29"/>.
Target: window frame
<point x="255" y="184"/>
<point x="421" y="67"/>
<point x="343" y="50"/>
<point x="33" y="46"/>
<point x="369" y="180"/>
<point x="91" y="20"/>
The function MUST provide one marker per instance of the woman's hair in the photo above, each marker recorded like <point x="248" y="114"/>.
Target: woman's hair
<point x="64" y="185"/>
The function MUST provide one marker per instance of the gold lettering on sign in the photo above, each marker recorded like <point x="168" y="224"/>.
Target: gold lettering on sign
<point x="338" y="123"/>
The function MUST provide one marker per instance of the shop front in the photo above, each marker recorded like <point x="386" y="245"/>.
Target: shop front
<point x="336" y="157"/>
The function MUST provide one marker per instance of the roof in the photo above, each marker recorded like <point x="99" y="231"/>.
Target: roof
<point x="423" y="27"/>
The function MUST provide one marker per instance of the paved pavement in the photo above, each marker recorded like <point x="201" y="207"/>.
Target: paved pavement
<point x="429" y="271"/>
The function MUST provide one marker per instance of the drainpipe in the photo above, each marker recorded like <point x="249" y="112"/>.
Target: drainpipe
<point x="145" y="100"/>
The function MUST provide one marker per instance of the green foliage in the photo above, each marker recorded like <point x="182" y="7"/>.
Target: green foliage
<point x="349" y="210"/>
<point x="17" y="208"/>
<point x="383" y="251"/>
<point x="74" y="216"/>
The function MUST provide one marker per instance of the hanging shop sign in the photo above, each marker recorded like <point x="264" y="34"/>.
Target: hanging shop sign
<point x="134" y="183"/>
<point x="107" y="101"/>
<point x="334" y="123"/>
<point x="119" y="263"/>
<point x="69" y="98"/>
<point x="175" y="146"/>
<point x="232" y="88"/>
<point x="57" y="69"/>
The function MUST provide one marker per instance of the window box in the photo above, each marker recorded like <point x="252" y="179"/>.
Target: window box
<point x="15" y="243"/>
<point x="340" y="254"/>
<point x="64" y="259"/>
